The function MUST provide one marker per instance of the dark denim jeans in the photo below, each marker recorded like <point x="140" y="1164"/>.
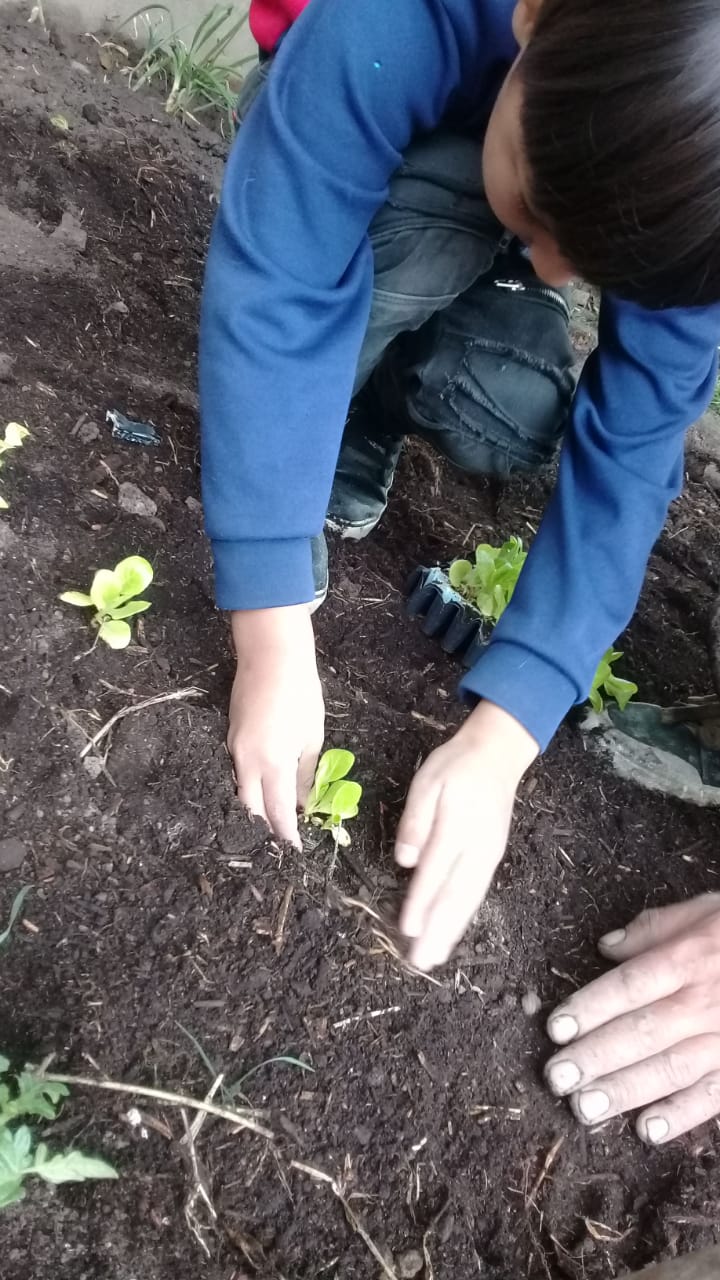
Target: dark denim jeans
<point x="466" y="347"/>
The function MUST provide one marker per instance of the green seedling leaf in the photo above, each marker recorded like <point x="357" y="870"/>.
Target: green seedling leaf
<point x="116" y="635"/>
<point x="458" y="573"/>
<point x="606" y="686"/>
<point x="103" y="591"/>
<point x="4" y="1067"/>
<point x="35" y="1097"/>
<point x="72" y="1166"/>
<point x="332" y="766"/>
<point x="489" y="583"/>
<point x="341" y="801"/>
<point x="621" y="690"/>
<point x="129" y="610"/>
<point x="15" y="1163"/>
<point x="132" y="576"/>
<point x="77" y="598"/>
<point x="15" y="910"/>
<point x="15" y="433"/>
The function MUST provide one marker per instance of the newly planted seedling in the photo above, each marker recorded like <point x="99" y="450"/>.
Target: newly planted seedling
<point x="112" y="595"/>
<point x="608" y="687"/>
<point x="15" y="433"/>
<point x="489" y="583"/>
<point x="333" y="799"/>
<point x="25" y="1094"/>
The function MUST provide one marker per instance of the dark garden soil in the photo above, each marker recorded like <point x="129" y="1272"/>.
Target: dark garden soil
<point x="156" y="907"/>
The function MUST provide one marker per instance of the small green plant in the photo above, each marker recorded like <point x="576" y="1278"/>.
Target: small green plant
<point x="488" y="585"/>
<point x="491" y="580"/>
<point x="15" y="433"/>
<point x="25" y="1094"/>
<point x="111" y="596"/>
<point x="194" y="77"/>
<point x="28" y="1095"/>
<point x="607" y="686"/>
<point x="333" y="799"/>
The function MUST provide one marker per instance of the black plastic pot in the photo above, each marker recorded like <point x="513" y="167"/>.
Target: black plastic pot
<point x="445" y="616"/>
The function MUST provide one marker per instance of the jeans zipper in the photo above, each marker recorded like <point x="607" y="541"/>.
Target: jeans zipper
<point x="543" y="291"/>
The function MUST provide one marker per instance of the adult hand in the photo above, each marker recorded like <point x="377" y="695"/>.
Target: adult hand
<point x="276" y="714"/>
<point x="648" y="1033"/>
<point x="455" y="828"/>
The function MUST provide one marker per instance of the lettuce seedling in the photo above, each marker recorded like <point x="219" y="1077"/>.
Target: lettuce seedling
<point x="489" y="583"/>
<point x="606" y="686"/>
<point x="111" y="596"/>
<point x="30" y="1095"/>
<point x="333" y="799"/>
<point x="15" y="433"/>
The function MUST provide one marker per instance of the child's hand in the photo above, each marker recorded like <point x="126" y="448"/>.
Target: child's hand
<point x="276" y="714"/>
<point x="455" y="827"/>
<point x="647" y="1034"/>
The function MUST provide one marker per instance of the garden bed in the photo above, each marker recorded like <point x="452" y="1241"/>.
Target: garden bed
<point x="155" y="904"/>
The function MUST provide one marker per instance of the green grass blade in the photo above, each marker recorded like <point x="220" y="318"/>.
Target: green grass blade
<point x="15" y="910"/>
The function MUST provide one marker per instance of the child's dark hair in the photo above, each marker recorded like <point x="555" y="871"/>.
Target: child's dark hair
<point x="621" y="127"/>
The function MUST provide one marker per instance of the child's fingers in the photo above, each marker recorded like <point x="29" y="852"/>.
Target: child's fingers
<point x="306" y="774"/>
<point x="417" y="820"/>
<point x="280" y="796"/>
<point x="250" y="794"/>
<point x="438" y="854"/>
<point x="657" y="925"/>
<point x="460" y="893"/>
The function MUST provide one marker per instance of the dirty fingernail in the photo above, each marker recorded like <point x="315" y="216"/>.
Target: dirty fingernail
<point x="593" y="1104"/>
<point x="656" y="1128"/>
<point x="406" y="855"/>
<point x="563" y="1028"/>
<point x="613" y="939"/>
<point x="563" y="1076"/>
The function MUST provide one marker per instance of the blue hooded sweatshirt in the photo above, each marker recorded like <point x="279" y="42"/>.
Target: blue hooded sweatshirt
<point x="285" y="308"/>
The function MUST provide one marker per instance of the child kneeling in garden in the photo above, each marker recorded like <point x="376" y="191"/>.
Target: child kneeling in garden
<point x="414" y="184"/>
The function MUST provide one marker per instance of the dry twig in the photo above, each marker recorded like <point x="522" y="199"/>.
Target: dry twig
<point x="240" y="1119"/>
<point x="138" y="706"/>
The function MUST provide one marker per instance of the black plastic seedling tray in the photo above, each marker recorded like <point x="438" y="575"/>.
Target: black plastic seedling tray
<point x="445" y="615"/>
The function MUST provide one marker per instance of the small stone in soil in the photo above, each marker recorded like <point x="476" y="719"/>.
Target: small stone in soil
<point x="363" y="1133"/>
<point x="7" y="364"/>
<point x="71" y="233"/>
<point x="88" y="432"/>
<point x="531" y="1003"/>
<point x="91" y="113"/>
<point x="12" y="853"/>
<point x="410" y="1264"/>
<point x="193" y="505"/>
<point x="134" y="501"/>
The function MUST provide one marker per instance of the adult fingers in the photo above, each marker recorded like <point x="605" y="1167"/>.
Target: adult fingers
<point x="638" y="982"/>
<point x="280" y="796"/>
<point x="449" y="913"/>
<point x="657" y="925"/>
<point x="682" y="1112"/>
<point x="625" y="1041"/>
<point x="417" y="820"/>
<point x="664" y="1074"/>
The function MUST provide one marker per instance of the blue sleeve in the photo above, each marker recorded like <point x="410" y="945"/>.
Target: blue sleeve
<point x="621" y="465"/>
<point x="289" y="274"/>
